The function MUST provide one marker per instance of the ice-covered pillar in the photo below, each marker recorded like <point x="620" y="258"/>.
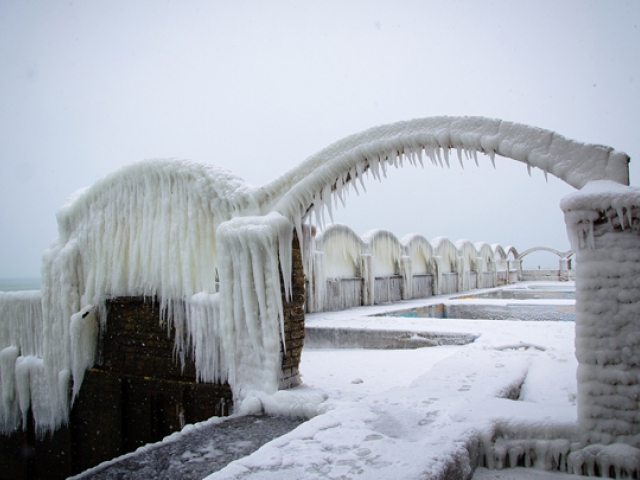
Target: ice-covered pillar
<point x="603" y="223"/>
<point x="564" y="267"/>
<point x="515" y="266"/>
<point x="406" y="269"/>
<point x="317" y="283"/>
<point x="368" y="279"/>
<point x="462" y="277"/>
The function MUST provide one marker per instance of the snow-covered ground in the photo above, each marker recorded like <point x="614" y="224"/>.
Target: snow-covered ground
<point x="415" y="413"/>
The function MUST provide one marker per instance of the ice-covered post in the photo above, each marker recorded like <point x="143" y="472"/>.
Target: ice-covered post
<point x="368" y="279"/>
<point x="603" y="223"/>
<point x="564" y="267"/>
<point x="515" y="266"/>
<point x="406" y="269"/>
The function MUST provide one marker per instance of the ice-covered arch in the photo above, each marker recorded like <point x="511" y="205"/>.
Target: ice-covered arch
<point x="386" y="250"/>
<point x="342" y="248"/>
<point x="560" y="254"/>
<point x="487" y="271"/>
<point x="323" y="177"/>
<point x="446" y="257"/>
<point x="420" y="251"/>
<point x="467" y="265"/>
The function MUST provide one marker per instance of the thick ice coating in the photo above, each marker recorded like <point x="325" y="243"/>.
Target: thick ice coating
<point x="172" y="229"/>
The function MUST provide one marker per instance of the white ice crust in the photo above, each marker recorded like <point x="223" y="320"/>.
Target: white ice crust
<point x="171" y="229"/>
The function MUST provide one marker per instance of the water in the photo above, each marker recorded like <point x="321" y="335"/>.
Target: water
<point x="23" y="283"/>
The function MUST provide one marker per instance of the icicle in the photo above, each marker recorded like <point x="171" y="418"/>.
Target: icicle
<point x="546" y="177"/>
<point x="431" y="154"/>
<point x="474" y="152"/>
<point x="84" y="339"/>
<point x="419" y="156"/>
<point x="459" y="152"/>
<point x="529" y="169"/>
<point x="352" y="174"/>
<point x="338" y="195"/>
<point x="620" y="213"/>
<point x="375" y="167"/>
<point x="492" y="156"/>
<point x="445" y="152"/>
<point x="362" y="184"/>
<point x="439" y="156"/>
<point x="326" y="195"/>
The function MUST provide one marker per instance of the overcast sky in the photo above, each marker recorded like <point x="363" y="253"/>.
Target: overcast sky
<point x="257" y="87"/>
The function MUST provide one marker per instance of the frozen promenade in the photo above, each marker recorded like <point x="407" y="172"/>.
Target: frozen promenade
<point x="395" y="413"/>
<point x="197" y="451"/>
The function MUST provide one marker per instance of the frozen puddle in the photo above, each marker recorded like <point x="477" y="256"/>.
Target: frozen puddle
<point x="197" y="451"/>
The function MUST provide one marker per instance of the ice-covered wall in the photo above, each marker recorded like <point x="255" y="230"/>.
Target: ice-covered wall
<point x="604" y="228"/>
<point x="468" y="270"/>
<point x="420" y="251"/>
<point x="172" y="229"/>
<point x="385" y="247"/>
<point x="154" y="229"/>
<point x="342" y="249"/>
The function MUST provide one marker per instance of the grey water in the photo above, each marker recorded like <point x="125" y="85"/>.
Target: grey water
<point x="22" y="283"/>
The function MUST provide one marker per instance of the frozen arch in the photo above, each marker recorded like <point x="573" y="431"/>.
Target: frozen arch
<point x="322" y="177"/>
<point x="562" y="255"/>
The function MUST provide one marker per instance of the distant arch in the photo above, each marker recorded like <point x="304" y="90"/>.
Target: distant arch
<point x="563" y="255"/>
<point x="511" y="250"/>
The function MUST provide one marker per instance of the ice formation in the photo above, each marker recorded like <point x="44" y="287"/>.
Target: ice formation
<point x="602" y="222"/>
<point x="420" y="251"/>
<point x="342" y="249"/>
<point x="385" y="247"/>
<point x="172" y="229"/>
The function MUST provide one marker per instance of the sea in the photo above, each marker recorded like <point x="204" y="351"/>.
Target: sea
<point x="23" y="283"/>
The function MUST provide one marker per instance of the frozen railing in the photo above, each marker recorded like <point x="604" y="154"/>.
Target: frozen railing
<point x="351" y="271"/>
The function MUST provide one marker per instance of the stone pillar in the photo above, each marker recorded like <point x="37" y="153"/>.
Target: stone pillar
<point x="602" y="222"/>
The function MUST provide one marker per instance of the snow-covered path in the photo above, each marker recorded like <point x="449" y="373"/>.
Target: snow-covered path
<point x="413" y="413"/>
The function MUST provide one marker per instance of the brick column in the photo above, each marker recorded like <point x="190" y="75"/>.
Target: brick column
<point x="293" y="311"/>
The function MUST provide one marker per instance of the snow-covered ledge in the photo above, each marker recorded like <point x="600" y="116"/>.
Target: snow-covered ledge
<point x="603" y="223"/>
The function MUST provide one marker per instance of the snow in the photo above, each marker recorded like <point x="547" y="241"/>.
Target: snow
<point x="416" y="413"/>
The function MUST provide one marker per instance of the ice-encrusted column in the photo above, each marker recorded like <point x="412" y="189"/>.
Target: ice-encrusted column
<point x="515" y="266"/>
<point x="603" y="222"/>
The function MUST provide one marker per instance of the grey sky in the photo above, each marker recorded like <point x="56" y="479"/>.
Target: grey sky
<point x="256" y="87"/>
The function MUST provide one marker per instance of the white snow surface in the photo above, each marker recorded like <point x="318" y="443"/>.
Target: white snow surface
<point x="416" y="413"/>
